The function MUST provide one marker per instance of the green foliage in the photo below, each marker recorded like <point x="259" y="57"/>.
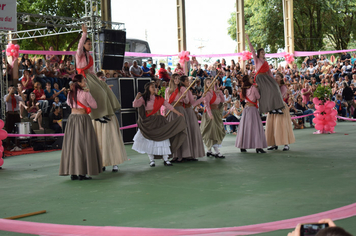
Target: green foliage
<point x="313" y="22"/>
<point x="324" y="93"/>
<point x="162" y="91"/>
<point x="67" y="8"/>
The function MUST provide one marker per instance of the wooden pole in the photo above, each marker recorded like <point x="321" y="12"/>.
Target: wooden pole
<point x="25" y="215"/>
<point x="182" y="39"/>
<point x="182" y="95"/>
<point x="240" y="30"/>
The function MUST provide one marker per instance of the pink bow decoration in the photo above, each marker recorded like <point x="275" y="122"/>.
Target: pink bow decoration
<point x="13" y="50"/>
<point x="183" y="57"/>
<point x="246" y="55"/>
<point x="289" y="57"/>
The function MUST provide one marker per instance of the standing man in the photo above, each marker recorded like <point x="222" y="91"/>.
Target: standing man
<point x="135" y="70"/>
<point x="12" y="110"/>
<point x="146" y="70"/>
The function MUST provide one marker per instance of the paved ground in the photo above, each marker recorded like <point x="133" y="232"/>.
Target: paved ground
<point x="317" y="174"/>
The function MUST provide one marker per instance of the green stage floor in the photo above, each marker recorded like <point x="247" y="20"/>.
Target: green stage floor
<point x="316" y="175"/>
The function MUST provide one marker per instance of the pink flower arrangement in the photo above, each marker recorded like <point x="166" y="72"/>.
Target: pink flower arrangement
<point x="289" y="57"/>
<point x="13" y="50"/>
<point x="246" y="55"/>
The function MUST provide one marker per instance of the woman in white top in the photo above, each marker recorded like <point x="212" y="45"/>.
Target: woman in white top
<point x="227" y="98"/>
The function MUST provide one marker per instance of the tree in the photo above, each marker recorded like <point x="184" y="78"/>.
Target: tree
<point x="313" y="22"/>
<point x="67" y="8"/>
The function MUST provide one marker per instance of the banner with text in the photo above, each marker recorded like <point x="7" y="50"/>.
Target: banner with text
<point x="8" y="15"/>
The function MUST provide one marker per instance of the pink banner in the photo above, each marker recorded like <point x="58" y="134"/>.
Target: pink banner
<point x="78" y="230"/>
<point x="344" y="118"/>
<point x="137" y="54"/>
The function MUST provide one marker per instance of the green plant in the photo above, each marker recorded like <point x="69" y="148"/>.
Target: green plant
<point x="161" y="92"/>
<point x="324" y="93"/>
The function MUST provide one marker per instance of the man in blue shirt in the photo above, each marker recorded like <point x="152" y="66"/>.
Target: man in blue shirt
<point x="146" y="70"/>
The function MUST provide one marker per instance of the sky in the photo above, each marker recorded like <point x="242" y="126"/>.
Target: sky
<point x="206" y="24"/>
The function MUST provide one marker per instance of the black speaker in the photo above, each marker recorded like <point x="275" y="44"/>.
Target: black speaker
<point x="140" y="84"/>
<point x="58" y="143"/>
<point x="127" y="118"/>
<point x="66" y="111"/>
<point x="127" y="92"/>
<point x="110" y="62"/>
<point x="112" y="49"/>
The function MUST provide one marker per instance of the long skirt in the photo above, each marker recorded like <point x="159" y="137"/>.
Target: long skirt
<point x="143" y="145"/>
<point x="279" y="130"/>
<point x="110" y="141"/>
<point x="271" y="97"/>
<point x="185" y="150"/>
<point x="212" y="131"/>
<point x="250" y="133"/>
<point x="104" y="97"/>
<point x="80" y="153"/>
<point x="197" y="146"/>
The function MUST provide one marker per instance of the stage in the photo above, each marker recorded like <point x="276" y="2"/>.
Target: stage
<point x="316" y="175"/>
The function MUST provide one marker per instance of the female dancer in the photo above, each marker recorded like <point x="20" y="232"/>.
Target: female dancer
<point x="197" y="146"/>
<point x="172" y="94"/>
<point x="279" y="130"/>
<point x="271" y="98"/>
<point x="157" y="136"/>
<point x="212" y="127"/>
<point x="80" y="153"/>
<point x="250" y="133"/>
<point x="105" y="125"/>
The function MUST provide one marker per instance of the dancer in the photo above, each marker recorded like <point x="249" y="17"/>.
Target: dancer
<point x="250" y="133"/>
<point x="197" y="146"/>
<point x="271" y="98"/>
<point x="212" y="127"/>
<point x="172" y="94"/>
<point x="279" y="130"/>
<point x="105" y="122"/>
<point x="156" y="135"/>
<point x="80" y="153"/>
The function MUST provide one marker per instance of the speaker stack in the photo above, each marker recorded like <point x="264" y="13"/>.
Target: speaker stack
<point x="125" y="90"/>
<point x="112" y="48"/>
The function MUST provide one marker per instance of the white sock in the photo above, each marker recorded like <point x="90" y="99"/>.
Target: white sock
<point x="165" y="158"/>
<point x="216" y="150"/>
<point x="152" y="157"/>
<point x="209" y="150"/>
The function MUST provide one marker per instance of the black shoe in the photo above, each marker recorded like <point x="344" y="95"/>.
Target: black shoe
<point x="208" y="154"/>
<point x="83" y="177"/>
<point x="272" y="148"/>
<point x="104" y="168"/>
<point x="105" y="118"/>
<point x="74" y="177"/>
<point x="101" y="121"/>
<point x="279" y="111"/>
<point x="152" y="164"/>
<point x="286" y="148"/>
<point x="193" y="159"/>
<point x="179" y="161"/>
<point x="220" y="156"/>
<point x="243" y="150"/>
<point x="260" y="150"/>
<point x="273" y="112"/>
<point x="167" y="163"/>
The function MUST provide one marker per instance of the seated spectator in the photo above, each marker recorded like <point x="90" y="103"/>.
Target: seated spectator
<point x="63" y="74"/>
<point x="235" y="113"/>
<point x="101" y="76"/>
<point x="345" y="57"/>
<point x="70" y="70"/>
<point x="49" y="93"/>
<point x="340" y="106"/>
<point x="62" y="94"/>
<point x="29" y="66"/>
<point x="306" y="92"/>
<point x="41" y="97"/>
<point x="135" y="70"/>
<point x="56" y="103"/>
<point x="312" y="69"/>
<point x="55" y="120"/>
<point x="125" y="70"/>
<point x="169" y="70"/>
<point x="22" y="63"/>
<point x="201" y="73"/>
<point x="115" y="74"/>
<point x="207" y="71"/>
<point x="153" y="72"/>
<point x="163" y="73"/>
<point x="146" y="70"/>
<point x="149" y="63"/>
<point x="49" y="73"/>
<point x="27" y="82"/>
<point x="57" y="75"/>
<point x="300" y="105"/>
<point x="346" y="70"/>
<point x="52" y="58"/>
<point x="235" y="95"/>
<point x="178" y="70"/>
<point x="39" y="73"/>
<point x="34" y="112"/>
<point x="332" y="230"/>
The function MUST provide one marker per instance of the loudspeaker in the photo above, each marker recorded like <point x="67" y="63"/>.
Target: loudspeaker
<point x="66" y="111"/>
<point x="58" y="143"/>
<point x="140" y="84"/>
<point x="127" y="92"/>
<point x="127" y="118"/>
<point x="112" y="48"/>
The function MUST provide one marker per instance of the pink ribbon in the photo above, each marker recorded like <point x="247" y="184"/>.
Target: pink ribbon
<point x="77" y="230"/>
<point x="344" y="118"/>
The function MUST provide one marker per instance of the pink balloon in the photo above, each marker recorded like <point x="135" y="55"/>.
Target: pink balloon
<point x="334" y="112"/>
<point x="1" y="149"/>
<point x="327" y="128"/>
<point x="316" y="121"/>
<point x="332" y="123"/>
<point x="330" y="104"/>
<point x="17" y="46"/>
<point x="319" y="126"/>
<point x="321" y="108"/>
<point x="328" y="117"/>
<point x="3" y="134"/>
<point x="1" y="161"/>
<point x="328" y="111"/>
<point x="332" y="129"/>
<point x="0" y="143"/>
<point x="2" y="124"/>
<point x="316" y="101"/>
